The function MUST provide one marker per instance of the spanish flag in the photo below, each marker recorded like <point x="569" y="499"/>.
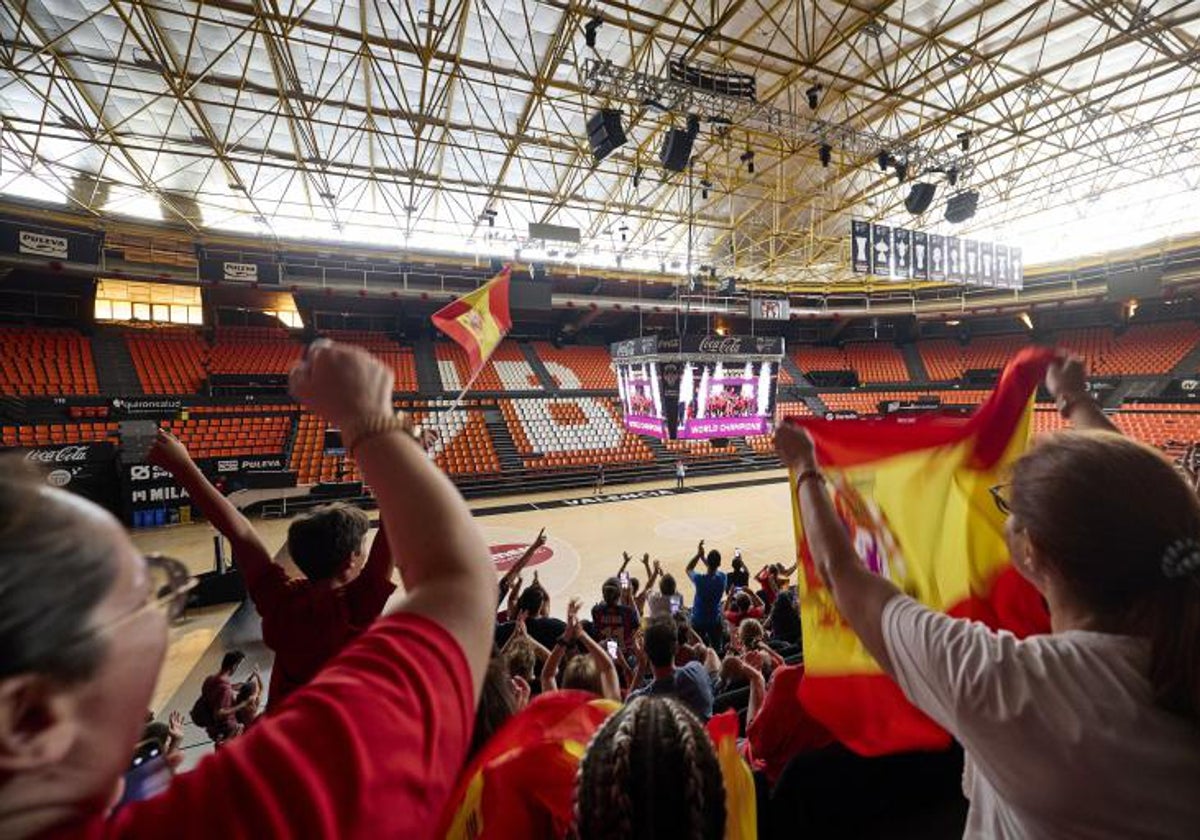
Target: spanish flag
<point x="914" y="496"/>
<point x="522" y="783"/>
<point x="478" y="320"/>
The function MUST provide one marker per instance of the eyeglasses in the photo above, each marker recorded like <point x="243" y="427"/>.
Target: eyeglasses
<point x="169" y="582"/>
<point x="998" y="491"/>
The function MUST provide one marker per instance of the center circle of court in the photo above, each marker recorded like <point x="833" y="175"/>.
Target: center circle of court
<point x="695" y="529"/>
<point x="557" y="563"/>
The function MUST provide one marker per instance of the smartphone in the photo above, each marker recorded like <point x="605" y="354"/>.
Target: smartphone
<point x="676" y="602"/>
<point x="333" y="444"/>
<point x="624" y="578"/>
<point x="612" y="648"/>
<point x="737" y="552"/>
<point x="137" y="437"/>
<point x="148" y="774"/>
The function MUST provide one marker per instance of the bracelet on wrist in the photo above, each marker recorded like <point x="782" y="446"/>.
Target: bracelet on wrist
<point x="809" y="475"/>
<point x="361" y="429"/>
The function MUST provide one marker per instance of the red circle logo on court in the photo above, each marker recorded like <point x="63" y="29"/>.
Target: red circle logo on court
<point x="506" y="556"/>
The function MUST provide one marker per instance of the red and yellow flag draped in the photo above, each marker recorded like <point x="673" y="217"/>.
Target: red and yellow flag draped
<point x="478" y="320"/>
<point x="914" y="495"/>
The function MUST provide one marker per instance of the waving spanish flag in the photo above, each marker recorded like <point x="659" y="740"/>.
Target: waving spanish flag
<point x="914" y="495"/>
<point x="478" y="320"/>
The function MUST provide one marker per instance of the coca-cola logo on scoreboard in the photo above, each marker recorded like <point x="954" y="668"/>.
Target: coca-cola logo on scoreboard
<point x="61" y="455"/>
<point x="720" y="345"/>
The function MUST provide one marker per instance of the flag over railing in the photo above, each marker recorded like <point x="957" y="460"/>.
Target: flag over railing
<point x="914" y="496"/>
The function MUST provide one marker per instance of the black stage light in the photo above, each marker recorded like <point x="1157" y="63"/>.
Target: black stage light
<point x="825" y="153"/>
<point x="885" y="160"/>
<point x="901" y="171"/>
<point x="589" y="30"/>
<point x="964" y="141"/>
<point x="813" y="94"/>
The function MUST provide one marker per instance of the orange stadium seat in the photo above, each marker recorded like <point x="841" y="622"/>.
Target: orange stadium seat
<point x="396" y="355"/>
<point x="253" y="350"/>
<point x="946" y="360"/>
<point x="46" y="362"/>
<point x="576" y="368"/>
<point x="1140" y="349"/>
<point x="169" y="360"/>
<point x="872" y="361"/>
<point x="242" y="434"/>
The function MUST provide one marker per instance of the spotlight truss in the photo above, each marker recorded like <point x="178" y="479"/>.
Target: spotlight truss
<point x="603" y="78"/>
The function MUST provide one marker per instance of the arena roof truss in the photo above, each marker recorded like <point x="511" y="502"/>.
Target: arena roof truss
<point x="452" y="124"/>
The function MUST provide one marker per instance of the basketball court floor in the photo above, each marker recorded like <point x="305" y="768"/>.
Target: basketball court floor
<point x="586" y="537"/>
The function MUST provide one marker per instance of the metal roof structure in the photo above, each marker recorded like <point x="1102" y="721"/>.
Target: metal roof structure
<point x="450" y="125"/>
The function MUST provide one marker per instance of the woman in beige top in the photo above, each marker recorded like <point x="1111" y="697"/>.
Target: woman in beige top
<point x="1093" y="730"/>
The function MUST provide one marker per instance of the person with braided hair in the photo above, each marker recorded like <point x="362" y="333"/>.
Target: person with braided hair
<point x="1092" y="730"/>
<point x="650" y="771"/>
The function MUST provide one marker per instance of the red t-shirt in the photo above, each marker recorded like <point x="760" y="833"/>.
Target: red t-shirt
<point x="736" y="618"/>
<point x="307" y="622"/>
<point x="371" y="747"/>
<point x="782" y="728"/>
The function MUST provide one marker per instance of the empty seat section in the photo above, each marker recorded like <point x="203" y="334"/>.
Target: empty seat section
<point x="54" y="434"/>
<point x="243" y="350"/>
<point x="169" y="360"/>
<point x="462" y="445"/>
<point x="1140" y="349"/>
<point x="877" y="361"/>
<point x="390" y="351"/>
<point x="573" y="368"/>
<point x="222" y="437"/>
<point x="571" y="432"/>
<point x="45" y="362"/>
<point x="310" y="462"/>
<point x="867" y="402"/>
<point x="946" y="359"/>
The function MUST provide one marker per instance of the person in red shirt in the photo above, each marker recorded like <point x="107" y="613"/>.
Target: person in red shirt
<point x="741" y="605"/>
<point x="370" y="747"/>
<point x="306" y="621"/>
<point x="220" y="696"/>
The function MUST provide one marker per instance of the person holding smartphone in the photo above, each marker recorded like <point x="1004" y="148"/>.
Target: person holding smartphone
<point x="613" y="620"/>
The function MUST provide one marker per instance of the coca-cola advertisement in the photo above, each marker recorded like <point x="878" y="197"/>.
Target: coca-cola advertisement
<point x="88" y="469"/>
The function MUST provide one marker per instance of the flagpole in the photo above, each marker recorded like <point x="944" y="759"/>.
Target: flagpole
<point x="457" y="404"/>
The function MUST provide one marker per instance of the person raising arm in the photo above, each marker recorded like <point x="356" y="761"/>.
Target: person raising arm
<point x="514" y="574"/>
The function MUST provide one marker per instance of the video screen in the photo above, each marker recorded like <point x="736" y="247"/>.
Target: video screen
<point x="717" y="399"/>
<point x="641" y="398"/>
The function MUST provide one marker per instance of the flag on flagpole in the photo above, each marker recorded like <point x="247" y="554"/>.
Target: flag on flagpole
<point x="478" y="320"/>
<point x="914" y="496"/>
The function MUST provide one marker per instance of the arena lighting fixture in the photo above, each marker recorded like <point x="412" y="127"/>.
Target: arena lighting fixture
<point x="813" y="95"/>
<point x="885" y="160"/>
<point x="589" y="30"/>
<point x="1025" y="319"/>
<point x="637" y="177"/>
<point x="825" y="153"/>
<point x="901" y="171"/>
<point x="964" y="140"/>
<point x="747" y="158"/>
<point x="705" y="186"/>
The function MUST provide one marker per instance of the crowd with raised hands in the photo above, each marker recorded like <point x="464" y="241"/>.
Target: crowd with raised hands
<point x="407" y="711"/>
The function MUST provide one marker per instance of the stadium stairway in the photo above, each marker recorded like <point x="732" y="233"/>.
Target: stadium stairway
<point x="502" y="440"/>
<point x="539" y="369"/>
<point x="429" y="381"/>
<point x="793" y="369"/>
<point x="912" y="361"/>
<point x="115" y="373"/>
<point x="1189" y="364"/>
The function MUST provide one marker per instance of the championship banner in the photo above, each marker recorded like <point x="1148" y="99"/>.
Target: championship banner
<point x="478" y="320"/>
<point x="1002" y="266"/>
<point x="1016" y="271"/>
<point x="860" y="246"/>
<point x="902" y="246"/>
<point x="971" y="259"/>
<point x="937" y="257"/>
<point x="914" y="495"/>
<point x="920" y="245"/>
<point x="954" y="260"/>
<point x="881" y="250"/>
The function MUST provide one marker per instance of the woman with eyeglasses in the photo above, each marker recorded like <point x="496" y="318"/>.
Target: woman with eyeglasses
<point x="1092" y="730"/>
<point x="369" y="748"/>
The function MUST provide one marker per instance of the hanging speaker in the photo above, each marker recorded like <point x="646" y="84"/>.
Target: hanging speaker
<point x="961" y="206"/>
<point x="605" y="134"/>
<point x="677" y="149"/>
<point x="920" y="197"/>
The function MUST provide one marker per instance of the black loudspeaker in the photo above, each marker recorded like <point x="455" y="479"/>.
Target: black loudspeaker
<point x="677" y="145"/>
<point x="961" y="206"/>
<point x="920" y="197"/>
<point x="719" y="443"/>
<point x="605" y="134"/>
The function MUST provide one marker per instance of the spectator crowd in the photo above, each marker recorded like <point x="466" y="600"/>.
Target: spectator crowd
<point x="668" y="708"/>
